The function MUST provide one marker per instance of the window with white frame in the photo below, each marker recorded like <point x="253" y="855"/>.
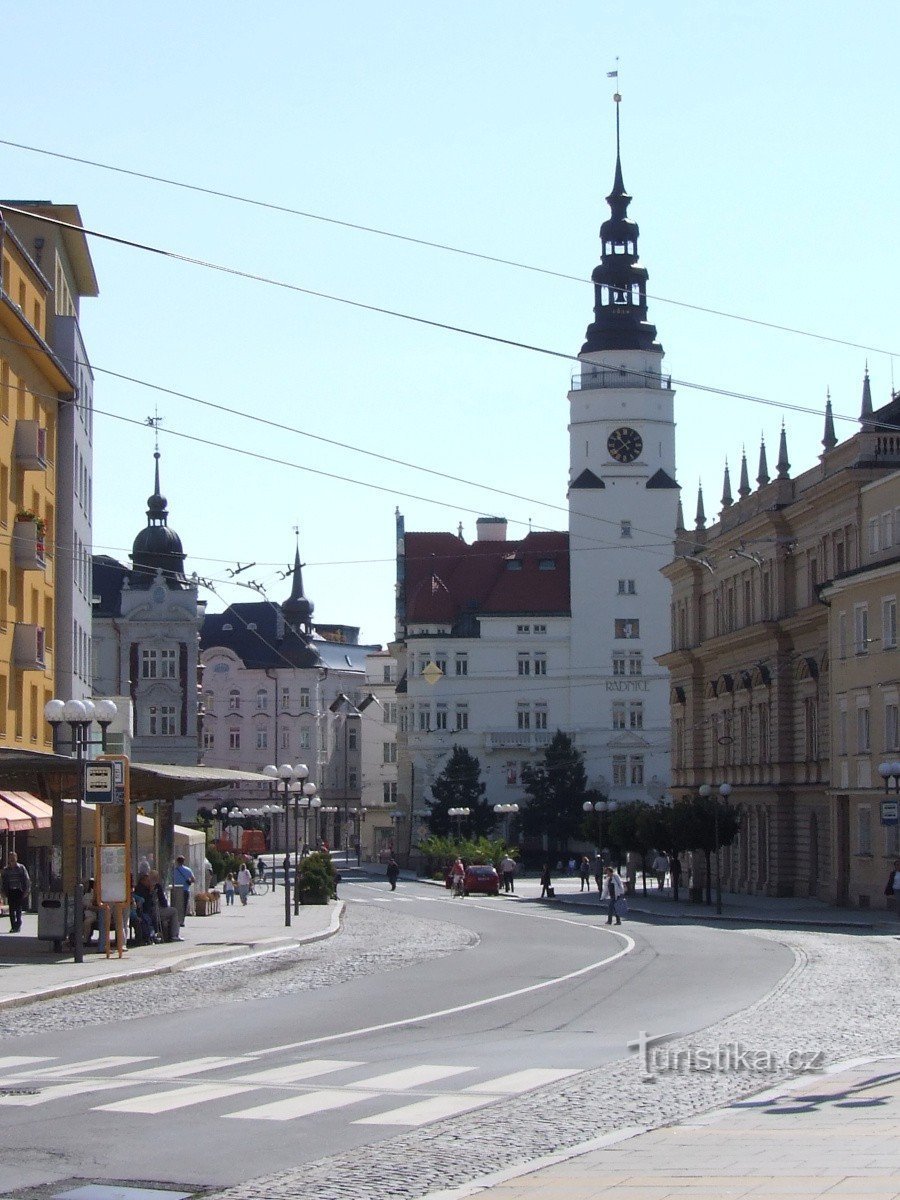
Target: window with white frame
<point x="864" y="829"/>
<point x="861" y="628"/>
<point x="539" y="629"/>
<point x="891" y="724"/>
<point x="285" y="739"/>
<point x="540" y="663"/>
<point x="636" y="770"/>
<point x="387" y="674"/>
<point x="262" y="699"/>
<point x="304" y="697"/>
<point x="389" y="791"/>
<point x="262" y="739"/>
<point x="305" y="738"/>
<point x="618" y="662"/>
<point x="863" y="730"/>
<point x="234" y="739"/>
<point x="389" y="709"/>
<point x="462" y="716"/>
<point x="873" y="535"/>
<point x="402" y="719"/>
<point x="440" y="661"/>
<point x="162" y="720"/>
<point x="208" y="701"/>
<point x="523" y="629"/>
<point x="523" y="716"/>
<point x="389" y="752"/>
<point x="234" y="700"/>
<point x="440" y="716"/>
<point x="619" y="770"/>
<point x="285" y="697"/>
<point x="424" y="722"/>
<point x="461" y="663"/>
<point x="209" y="739"/>
<point x="889" y="623"/>
<point x="618" y="714"/>
<point x="626" y="587"/>
<point x="158" y="664"/>
<point x="635" y="662"/>
<point x="636" y="714"/>
<point x="523" y="662"/>
<point x="540" y="715"/>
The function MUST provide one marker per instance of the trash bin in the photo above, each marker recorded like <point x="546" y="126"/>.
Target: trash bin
<point x="56" y="917"/>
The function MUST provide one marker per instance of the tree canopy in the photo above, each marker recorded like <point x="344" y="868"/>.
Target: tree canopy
<point x="556" y="787"/>
<point x="459" y="785"/>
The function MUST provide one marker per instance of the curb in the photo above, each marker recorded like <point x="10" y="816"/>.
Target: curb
<point x="193" y="962"/>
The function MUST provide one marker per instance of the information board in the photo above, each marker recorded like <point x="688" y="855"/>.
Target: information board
<point x="890" y="812"/>
<point x="98" y="783"/>
<point x="113" y="882"/>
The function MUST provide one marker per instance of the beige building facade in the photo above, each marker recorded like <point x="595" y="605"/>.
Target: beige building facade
<point x="750" y="666"/>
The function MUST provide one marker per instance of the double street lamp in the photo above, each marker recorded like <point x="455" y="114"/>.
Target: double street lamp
<point x="458" y="815"/>
<point x="507" y="812"/>
<point x="79" y="715"/>
<point x="705" y="791"/>
<point x="890" y="773"/>
<point x="599" y="807"/>
<point x="293" y="783"/>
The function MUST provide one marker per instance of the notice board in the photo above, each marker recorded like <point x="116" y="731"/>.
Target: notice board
<point x="113" y="882"/>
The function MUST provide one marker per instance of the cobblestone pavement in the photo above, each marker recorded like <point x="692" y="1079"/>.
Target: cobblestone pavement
<point x="367" y="943"/>
<point x="839" y="1000"/>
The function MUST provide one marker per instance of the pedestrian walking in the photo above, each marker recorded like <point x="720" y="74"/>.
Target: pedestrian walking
<point x="613" y="891"/>
<point x="675" y="873"/>
<point x="660" y="868"/>
<point x="229" y="889"/>
<point x="546" y="883"/>
<point x="508" y="871"/>
<point x="244" y="879"/>
<point x="15" y="885"/>
<point x="585" y="872"/>
<point x="182" y="877"/>
<point x="597" y="867"/>
<point x="892" y="888"/>
<point x="393" y="872"/>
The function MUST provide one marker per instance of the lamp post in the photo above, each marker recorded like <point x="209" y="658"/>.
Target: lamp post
<point x="705" y="791"/>
<point x="327" y="810"/>
<point x="600" y="807"/>
<point x="291" y="780"/>
<point x="890" y="772"/>
<point x="310" y="802"/>
<point x="79" y="715"/>
<point x="458" y="815"/>
<point x="506" y="811"/>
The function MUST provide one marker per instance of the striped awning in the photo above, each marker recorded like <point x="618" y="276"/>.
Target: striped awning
<point x="20" y="811"/>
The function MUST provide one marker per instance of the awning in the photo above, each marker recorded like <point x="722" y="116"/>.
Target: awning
<point x="20" y="811"/>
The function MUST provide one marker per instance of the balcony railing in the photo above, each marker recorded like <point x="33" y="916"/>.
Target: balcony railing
<point x="31" y="446"/>
<point x="28" y="546"/>
<point x="613" y="377"/>
<point x="517" y="739"/>
<point x="28" y="647"/>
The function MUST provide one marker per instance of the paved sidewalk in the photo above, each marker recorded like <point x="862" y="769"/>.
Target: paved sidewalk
<point x="29" y="970"/>
<point x="832" y="1135"/>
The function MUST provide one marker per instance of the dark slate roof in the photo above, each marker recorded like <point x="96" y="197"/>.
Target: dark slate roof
<point x="587" y="479"/>
<point x="448" y="581"/>
<point x="107" y="576"/>
<point x="662" y="480"/>
<point x="273" y="642"/>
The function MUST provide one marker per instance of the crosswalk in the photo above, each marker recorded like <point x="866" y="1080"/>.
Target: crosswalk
<point x="243" y="1088"/>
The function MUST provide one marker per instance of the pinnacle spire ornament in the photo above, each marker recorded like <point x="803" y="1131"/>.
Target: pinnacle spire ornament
<point x="762" y="475"/>
<point x="866" y="410"/>
<point x="744" y="485"/>
<point x="783" y="463"/>
<point x="829" y="440"/>
<point x="701" y="513"/>
<point x="727" y="498"/>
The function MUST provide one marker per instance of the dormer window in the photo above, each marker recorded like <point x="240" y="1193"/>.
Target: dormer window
<point x="547" y="564"/>
<point x="514" y="564"/>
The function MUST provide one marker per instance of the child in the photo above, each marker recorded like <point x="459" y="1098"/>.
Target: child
<point x="229" y="889"/>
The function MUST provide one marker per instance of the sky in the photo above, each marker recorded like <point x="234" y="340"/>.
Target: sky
<point x="759" y="142"/>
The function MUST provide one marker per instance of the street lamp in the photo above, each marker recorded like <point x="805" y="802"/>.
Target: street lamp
<point x="705" y="791"/>
<point x="506" y="811"/>
<point x="291" y="780"/>
<point x="458" y="815"/>
<point x="310" y="801"/>
<point x="79" y="715"/>
<point x="600" y="807"/>
<point x="890" y="771"/>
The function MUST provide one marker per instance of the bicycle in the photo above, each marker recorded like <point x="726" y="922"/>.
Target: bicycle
<point x="259" y="886"/>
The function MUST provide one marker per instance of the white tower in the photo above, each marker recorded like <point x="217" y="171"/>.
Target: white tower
<point x="623" y="502"/>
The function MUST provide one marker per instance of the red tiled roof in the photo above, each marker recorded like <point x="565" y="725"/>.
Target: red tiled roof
<point x="446" y="577"/>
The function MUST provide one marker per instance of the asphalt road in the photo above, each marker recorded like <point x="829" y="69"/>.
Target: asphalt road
<point x="220" y="1095"/>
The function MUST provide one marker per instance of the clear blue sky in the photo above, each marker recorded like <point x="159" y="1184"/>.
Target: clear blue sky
<point x="759" y="143"/>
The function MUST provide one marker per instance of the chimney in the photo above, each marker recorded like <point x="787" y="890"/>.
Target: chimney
<point x="490" y="529"/>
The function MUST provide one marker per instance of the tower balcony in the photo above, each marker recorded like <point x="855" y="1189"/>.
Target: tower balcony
<point x="28" y="648"/>
<point x="518" y="739"/>
<point x="616" y="377"/>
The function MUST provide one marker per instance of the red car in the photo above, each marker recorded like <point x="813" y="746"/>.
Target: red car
<point x="482" y="881"/>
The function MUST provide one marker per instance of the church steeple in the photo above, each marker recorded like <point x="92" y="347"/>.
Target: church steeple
<point x="297" y="609"/>
<point x="157" y="547"/>
<point x="620" y="283"/>
<point x="866" y="410"/>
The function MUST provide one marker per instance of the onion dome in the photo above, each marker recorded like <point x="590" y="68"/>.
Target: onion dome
<point x="157" y="548"/>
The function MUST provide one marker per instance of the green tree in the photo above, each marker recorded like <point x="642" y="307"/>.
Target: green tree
<point x="638" y="827"/>
<point x="556" y="787"/>
<point x="698" y="818"/>
<point x="459" y="785"/>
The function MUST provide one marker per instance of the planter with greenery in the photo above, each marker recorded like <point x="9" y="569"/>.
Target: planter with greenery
<point x="316" y="879"/>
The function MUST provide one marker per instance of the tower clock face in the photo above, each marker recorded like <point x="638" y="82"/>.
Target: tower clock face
<point x="625" y="444"/>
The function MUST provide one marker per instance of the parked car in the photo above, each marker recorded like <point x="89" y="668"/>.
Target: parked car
<point x="482" y="881"/>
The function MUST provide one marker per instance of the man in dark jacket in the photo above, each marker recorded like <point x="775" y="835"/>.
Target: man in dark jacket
<point x="15" y="885"/>
<point x="393" y="871"/>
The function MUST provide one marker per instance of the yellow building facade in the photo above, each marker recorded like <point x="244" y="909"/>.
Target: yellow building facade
<point x="33" y="383"/>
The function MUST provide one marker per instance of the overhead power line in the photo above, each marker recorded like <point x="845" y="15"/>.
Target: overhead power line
<point x="445" y="247"/>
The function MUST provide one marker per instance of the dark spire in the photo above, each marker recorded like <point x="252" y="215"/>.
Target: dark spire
<point x="727" y="498"/>
<point x="297" y="609"/>
<point x="866" y="410"/>
<point x="762" y="475"/>
<point x="701" y="514"/>
<point x="744" y="485"/>
<point x="157" y="548"/>
<point x="829" y="441"/>
<point x="620" y="283"/>
<point x="679" y="518"/>
<point x="783" y="464"/>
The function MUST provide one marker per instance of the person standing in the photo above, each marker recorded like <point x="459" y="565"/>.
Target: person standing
<point x="892" y="887"/>
<point x="508" y="871"/>
<point x="598" y="870"/>
<point x="244" y="879"/>
<point x="182" y="877"/>
<point x="229" y="889"/>
<point x="660" y="867"/>
<point x="546" y="882"/>
<point x="458" y="878"/>
<point x="675" y="872"/>
<point x="612" y="891"/>
<point x="15" y="885"/>
<point x="585" y="872"/>
<point x="393" y="873"/>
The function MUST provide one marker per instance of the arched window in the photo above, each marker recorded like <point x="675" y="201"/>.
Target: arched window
<point x="262" y="699"/>
<point x="234" y="699"/>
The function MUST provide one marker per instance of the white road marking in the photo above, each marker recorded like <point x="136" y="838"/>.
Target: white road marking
<point x="22" y="1060"/>
<point x="60" y="1091"/>
<point x="520" y="1081"/>
<point x="158" y="1102"/>
<point x="302" y="1070"/>
<point x="190" y="1066"/>
<point x="305" y="1105"/>
<point x="423" y="1111"/>
<point x="89" y="1066"/>
<point x="410" y="1077"/>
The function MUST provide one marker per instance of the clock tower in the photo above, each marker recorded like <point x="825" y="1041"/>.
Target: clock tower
<point x="623" y="502"/>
